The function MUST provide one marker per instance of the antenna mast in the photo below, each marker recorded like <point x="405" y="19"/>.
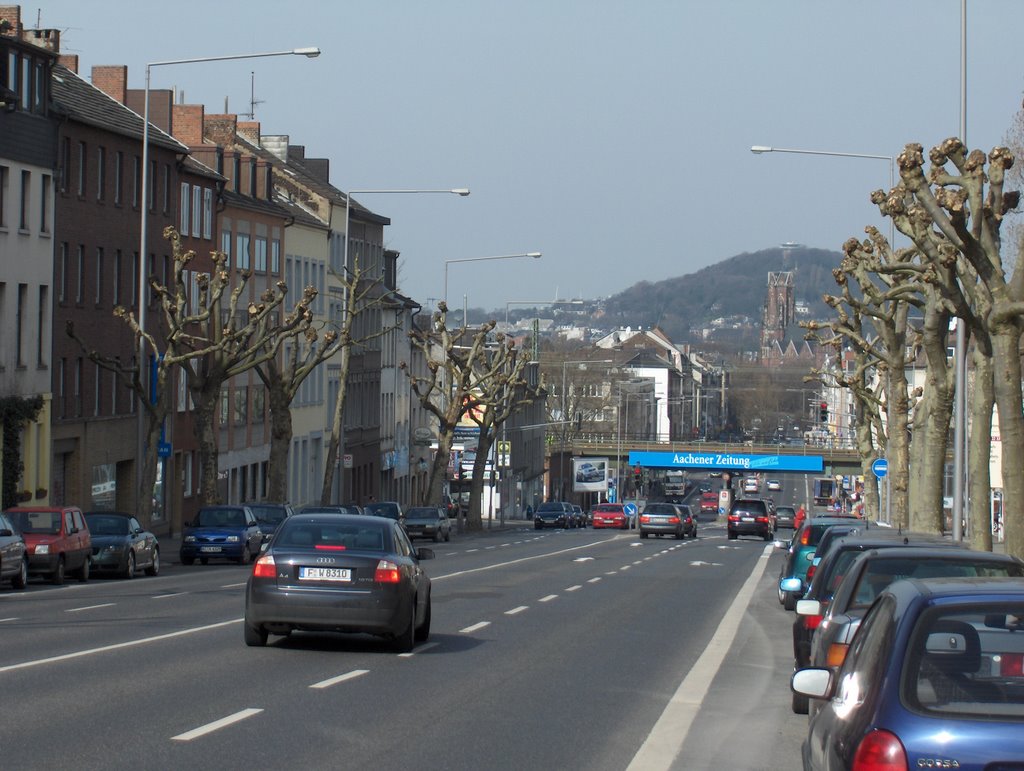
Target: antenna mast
<point x="253" y="101"/>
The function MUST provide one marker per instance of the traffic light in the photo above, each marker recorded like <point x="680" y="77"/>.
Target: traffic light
<point x="823" y="412"/>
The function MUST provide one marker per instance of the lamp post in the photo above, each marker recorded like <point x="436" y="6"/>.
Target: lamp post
<point x="309" y="52"/>
<point x="534" y="255"/>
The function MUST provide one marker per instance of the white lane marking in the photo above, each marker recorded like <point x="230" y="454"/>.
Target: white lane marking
<point x="165" y="596"/>
<point x="488" y="548"/>
<point x="549" y="598"/>
<point x="420" y="649"/>
<point x="640" y="562"/>
<point x="450" y="553"/>
<point x="665" y="740"/>
<point x="522" y="559"/>
<point x="583" y="559"/>
<point x="195" y="733"/>
<point x="625" y="567"/>
<point x="594" y="580"/>
<point x="470" y="551"/>
<point x="611" y="572"/>
<point x="12" y="618"/>
<point x="340" y="678"/>
<point x="702" y="563"/>
<point x="117" y="646"/>
<point x="574" y="588"/>
<point x="232" y="586"/>
<point x="475" y="627"/>
<point x="636" y="544"/>
<point x="520" y="609"/>
<point x="89" y="607"/>
<point x="506" y="544"/>
<point x="517" y="542"/>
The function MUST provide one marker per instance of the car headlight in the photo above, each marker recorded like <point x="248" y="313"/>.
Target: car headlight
<point x="233" y="539"/>
<point x="113" y="548"/>
<point x="190" y="539"/>
<point x="42" y="548"/>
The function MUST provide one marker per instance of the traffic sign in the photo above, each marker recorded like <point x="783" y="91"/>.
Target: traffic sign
<point x="630" y="509"/>
<point x="880" y="467"/>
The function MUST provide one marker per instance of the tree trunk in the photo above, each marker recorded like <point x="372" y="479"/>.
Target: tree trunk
<point x="280" y="441"/>
<point x="439" y="469"/>
<point x="206" y="433"/>
<point x="979" y="450"/>
<point x="148" y="463"/>
<point x="928" y="450"/>
<point x="474" y="520"/>
<point x="1006" y="384"/>
<point x="334" y="442"/>
<point x="898" y="446"/>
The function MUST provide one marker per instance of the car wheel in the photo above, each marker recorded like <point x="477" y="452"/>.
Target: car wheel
<point x="536" y="527"/>
<point x="57" y="577"/>
<point x="204" y="560"/>
<point x="21" y="577"/>
<point x="801" y="704"/>
<point x="154" y="569"/>
<point x="246" y="555"/>
<point x="423" y="632"/>
<point x="732" y="536"/>
<point x="643" y="534"/>
<point x="254" y="637"/>
<point x="781" y="594"/>
<point x="447" y="535"/>
<point x="406" y="639"/>
<point x="129" y="566"/>
<point x="767" y="535"/>
<point x="437" y="536"/>
<point x="83" y="572"/>
<point x="188" y="560"/>
<point x="680" y="535"/>
<point x="789" y="603"/>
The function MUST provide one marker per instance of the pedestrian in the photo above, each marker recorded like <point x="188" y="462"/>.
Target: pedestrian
<point x="798" y="520"/>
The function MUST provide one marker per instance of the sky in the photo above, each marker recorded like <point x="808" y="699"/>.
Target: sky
<point x="613" y="136"/>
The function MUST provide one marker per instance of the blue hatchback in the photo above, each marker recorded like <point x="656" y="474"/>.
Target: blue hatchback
<point x="933" y="679"/>
<point x="223" y="532"/>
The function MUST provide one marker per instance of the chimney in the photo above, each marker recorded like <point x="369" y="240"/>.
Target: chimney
<point x="297" y="152"/>
<point x="221" y="129"/>
<point x="111" y="79"/>
<point x="10" y="21"/>
<point x="319" y="168"/>
<point x="70" y="61"/>
<point x="187" y="120"/>
<point x="276" y="144"/>
<point x="47" y="39"/>
<point x="250" y="129"/>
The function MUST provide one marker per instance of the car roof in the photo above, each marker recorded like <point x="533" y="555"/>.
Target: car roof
<point x="336" y="518"/>
<point x="108" y="513"/>
<point x="955" y="590"/>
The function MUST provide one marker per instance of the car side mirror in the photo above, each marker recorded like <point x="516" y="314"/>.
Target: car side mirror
<point x="264" y="546"/>
<point x="423" y="553"/>
<point x="815" y="683"/>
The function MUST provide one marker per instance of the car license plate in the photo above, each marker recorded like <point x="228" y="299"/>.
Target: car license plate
<point x="325" y="574"/>
<point x="209" y="548"/>
<point x="748" y="519"/>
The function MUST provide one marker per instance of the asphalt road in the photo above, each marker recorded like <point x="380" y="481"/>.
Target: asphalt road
<point x="577" y="649"/>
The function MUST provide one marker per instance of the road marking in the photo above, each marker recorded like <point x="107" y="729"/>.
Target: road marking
<point x="666" y="739"/>
<point x="195" y="733"/>
<point x="232" y="586"/>
<point x="625" y="567"/>
<point x="522" y="559"/>
<point x="165" y="596"/>
<point x="450" y="553"/>
<point x="506" y="544"/>
<point x="549" y="598"/>
<point x="520" y="609"/>
<point x="117" y="646"/>
<point x="574" y="587"/>
<point x="518" y="542"/>
<point x="701" y="563"/>
<point x="12" y="618"/>
<point x="470" y="551"/>
<point x="594" y="580"/>
<point x="583" y="559"/>
<point x="424" y="647"/>
<point x="89" y="607"/>
<point x="340" y="678"/>
<point x="611" y="572"/>
<point x="489" y="548"/>
<point x="475" y="627"/>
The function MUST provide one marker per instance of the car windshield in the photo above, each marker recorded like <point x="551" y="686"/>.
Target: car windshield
<point x="273" y="515"/>
<point x="106" y="524"/>
<point x="319" y="536"/>
<point x="219" y="518"/>
<point x="47" y="522"/>
<point x="882" y="572"/>
<point x="382" y="510"/>
<point x="550" y="507"/>
<point x="422" y="513"/>
<point x="750" y="507"/>
<point x="968" y="662"/>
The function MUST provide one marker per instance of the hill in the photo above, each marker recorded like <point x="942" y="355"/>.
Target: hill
<point x="735" y="286"/>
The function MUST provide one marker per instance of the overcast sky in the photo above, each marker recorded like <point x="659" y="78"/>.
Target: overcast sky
<point x="612" y="135"/>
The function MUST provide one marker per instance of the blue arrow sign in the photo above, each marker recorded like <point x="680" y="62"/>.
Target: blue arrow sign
<point x="880" y="467"/>
<point x="630" y="509"/>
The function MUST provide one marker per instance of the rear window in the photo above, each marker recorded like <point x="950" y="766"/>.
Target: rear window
<point x="750" y="507"/>
<point x="332" y="537"/>
<point x="608" y="509"/>
<point x="105" y="524"/>
<point x="271" y="514"/>
<point x="382" y="510"/>
<point x="659" y="508"/>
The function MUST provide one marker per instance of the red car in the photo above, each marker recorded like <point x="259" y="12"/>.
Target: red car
<point x="609" y="515"/>
<point x="709" y="503"/>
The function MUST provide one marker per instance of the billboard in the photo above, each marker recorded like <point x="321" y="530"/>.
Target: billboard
<point x="728" y="461"/>
<point x="589" y="475"/>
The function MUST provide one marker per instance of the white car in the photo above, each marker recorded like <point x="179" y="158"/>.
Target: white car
<point x="774" y="484"/>
<point x="750" y="485"/>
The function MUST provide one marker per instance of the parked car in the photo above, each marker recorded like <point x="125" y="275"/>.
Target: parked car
<point x="227" y="532"/>
<point x="800" y="554"/>
<point x="339" y="573"/>
<point x="609" y="515"/>
<point x="832" y="561"/>
<point x="667" y="519"/>
<point x="428" y="522"/>
<point x="120" y="544"/>
<point x="578" y="517"/>
<point x="389" y="509"/>
<point x="785" y="516"/>
<point x="749" y="516"/>
<point x="269" y="516"/>
<point x="552" y="514"/>
<point x="57" y="540"/>
<point x="932" y="680"/>
<point x="13" y="555"/>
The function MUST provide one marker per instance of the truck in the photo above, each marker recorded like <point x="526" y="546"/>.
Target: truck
<point x="824" y="491"/>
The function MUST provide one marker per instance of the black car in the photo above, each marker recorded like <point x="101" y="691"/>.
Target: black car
<point x="269" y="516"/>
<point x="389" y="509"/>
<point x="785" y="516"/>
<point x="339" y="573"/>
<point x="552" y="514"/>
<point x="749" y="516"/>
<point x="428" y="522"/>
<point x="13" y="559"/>
<point x="121" y="545"/>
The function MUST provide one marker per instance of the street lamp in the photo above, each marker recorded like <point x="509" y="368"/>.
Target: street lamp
<point x="534" y="255"/>
<point x="309" y="52"/>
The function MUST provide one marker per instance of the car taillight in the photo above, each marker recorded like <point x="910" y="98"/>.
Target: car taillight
<point x="880" y="751"/>
<point x="805" y="538"/>
<point x="387" y="573"/>
<point x="330" y="547"/>
<point x="762" y="519"/>
<point x="673" y="520"/>
<point x="644" y="518"/>
<point x="734" y="518"/>
<point x="837" y="654"/>
<point x="812" y="622"/>
<point x="264" y="567"/>
<point x="810" y="573"/>
<point x="1011" y="664"/>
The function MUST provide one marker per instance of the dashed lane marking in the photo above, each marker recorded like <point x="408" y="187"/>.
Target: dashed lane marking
<point x="420" y="649"/>
<point x="594" y="580"/>
<point x="514" y="611"/>
<point x="475" y="627"/>
<point x="89" y="607"/>
<point x="549" y="598"/>
<point x="340" y="678"/>
<point x="216" y="725"/>
<point x="165" y="596"/>
<point x="233" y="586"/>
<point x="574" y="587"/>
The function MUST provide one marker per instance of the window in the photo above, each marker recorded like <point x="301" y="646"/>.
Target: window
<point x="99" y="275"/>
<point x="26" y="187"/>
<point x="65" y="164"/>
<point x="152" y="185"/>
<point x="118" y="174"/>
<point x="81" y="274"/>
<point x="242" y="252"/>
<point x="207" y="213"/>
<point x="62" y="280"/>
<point x="258" y="403"/>
<point x="165" y="198"/>
<point x="134" y="279"/>
<point x="197" y="210"/>
<point x="41" y="345"/>
<point x="44" y="204"/>
<point x="275" y="255"/>
<point x="62" y="366"/>
<point x="81" y="169"/>
<point x="225" y="238"/>
<point x="260" y="255"/>
<point x="26" y="83"/>
<point x="224" y="396"/>
<point x="19" y="322"/>
<point x="4" y="174"/>
<point x="136" y="166"/>
<point x="186" y="474"/>
<point x="78" y="386"/>
<point x="116" y="299"/>
<point x="97" y="391"/>
<point x="39" y="92"/>
<point x="241" y="405"/>
<point x="101" y="173"/>
<point x="184" y="208"/>
<point x="238" y="174"/>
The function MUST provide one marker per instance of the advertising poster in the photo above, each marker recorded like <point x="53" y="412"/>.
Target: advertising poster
<point x="589" y="475"/>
